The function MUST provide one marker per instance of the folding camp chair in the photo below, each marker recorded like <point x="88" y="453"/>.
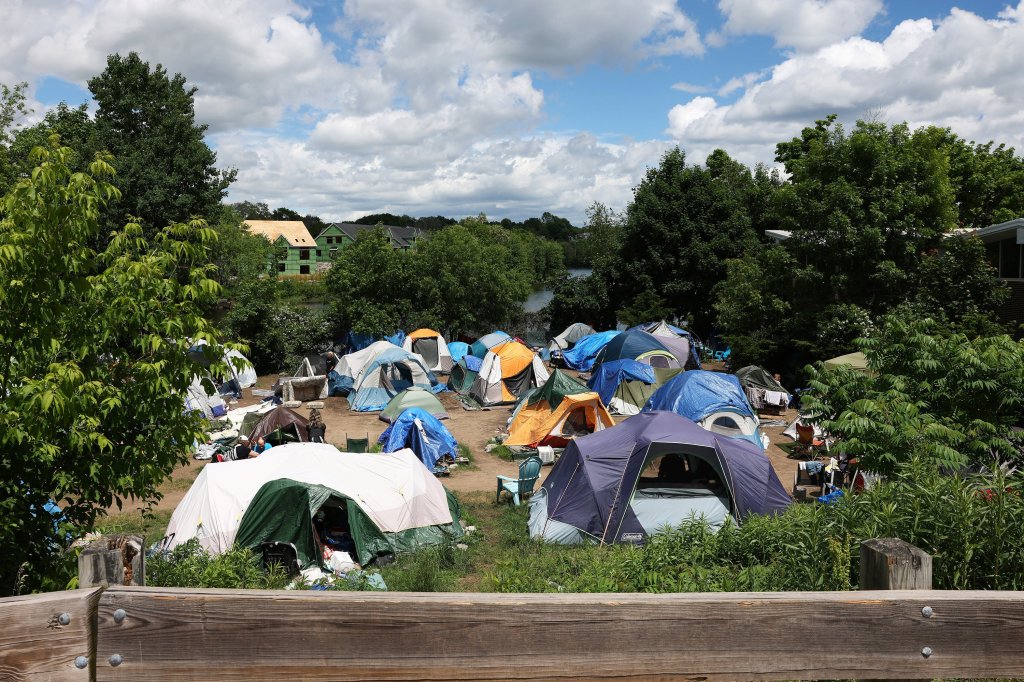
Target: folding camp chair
<point x="283" y="554"/>
<point x="357" y="444"/>
<point x="529" y="472"/>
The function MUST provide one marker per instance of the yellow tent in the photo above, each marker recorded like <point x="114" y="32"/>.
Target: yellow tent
<point x="576" y="415"/>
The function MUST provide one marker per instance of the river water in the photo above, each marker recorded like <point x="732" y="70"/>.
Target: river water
<point x="539" y="299"/>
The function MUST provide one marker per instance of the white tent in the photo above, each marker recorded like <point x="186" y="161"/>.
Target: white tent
<point x="198" y="400"/>
<point x="352" y="364"/>
<point x="245" y="377"/>
<point x="432" y="347"/>
<point x="394" y="490"/>
<point x="573" y="333"/>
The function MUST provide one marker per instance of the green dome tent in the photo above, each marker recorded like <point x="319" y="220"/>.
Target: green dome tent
<point x="283" y="511"/>
<point x="413" y="397"/>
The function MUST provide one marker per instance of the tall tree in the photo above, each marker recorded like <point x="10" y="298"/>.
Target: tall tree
<point x="93" y="357"/>
<point x="684" y="222"/>
<point x="166" y="171"/>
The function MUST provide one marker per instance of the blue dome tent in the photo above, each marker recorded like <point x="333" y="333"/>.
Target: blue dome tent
<point x="421" y="432"/>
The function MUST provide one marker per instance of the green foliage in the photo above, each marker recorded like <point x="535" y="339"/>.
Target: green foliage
<point x="93" y="354"/>
<point x="581" y="299"/>
<point x="432" y="569"/>
<point x="930" y="395"/>
<point x="645" y="307"/>
<point x="278" y="334"/>
<point x="239" y="255"/>
<point x="189" y="565"/>
<point x="958" y="284"/>
<point x="147" y="120"/>
<point x="683" y="224"/>
<point x="971" y="526"/>
<point x="987" y="180"/>
<point x="371" y="285"/>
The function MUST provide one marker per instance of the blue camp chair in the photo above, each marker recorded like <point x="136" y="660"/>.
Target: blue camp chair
<point x="723" y="355"/>
<point x="529" y="472"/>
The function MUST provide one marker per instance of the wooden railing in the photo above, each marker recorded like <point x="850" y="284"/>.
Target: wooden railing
<point x="146" y="633"/>
<point x="142" y="633"/>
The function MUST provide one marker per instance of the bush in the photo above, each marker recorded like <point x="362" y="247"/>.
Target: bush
<point x="189" y="565"/>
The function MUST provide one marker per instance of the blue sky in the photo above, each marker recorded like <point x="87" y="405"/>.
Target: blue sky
<point x="458" y="107"/>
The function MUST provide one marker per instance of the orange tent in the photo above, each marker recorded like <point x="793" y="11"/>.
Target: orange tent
<point x="507" y="372"/>
<point x="576" y="415"/>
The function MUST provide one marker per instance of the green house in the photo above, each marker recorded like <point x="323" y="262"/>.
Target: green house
<point x="297" y="252"/>
<point x="331" y="240"/>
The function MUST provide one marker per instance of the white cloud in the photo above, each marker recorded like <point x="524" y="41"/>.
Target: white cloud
<point x="689" y="87"/>
<point x="802" y="24"/>
<point x="962" y="72"/>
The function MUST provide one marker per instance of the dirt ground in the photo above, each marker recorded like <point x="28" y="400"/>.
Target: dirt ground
<point x="471" y="428"/>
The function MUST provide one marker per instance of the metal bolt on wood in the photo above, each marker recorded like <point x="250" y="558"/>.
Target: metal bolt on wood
<point x="81" y="662"/>
<point x="927" y="612"/>
<point x="116" y="660"/>
<point x="119" y="616"/>
<point x="64" y="619"/>
<point x="926" y="652"/>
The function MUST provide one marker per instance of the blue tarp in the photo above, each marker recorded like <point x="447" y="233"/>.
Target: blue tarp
<point x="608" y="376"/>
<point x="430" y="444"/>
<point x="338" y="385"/>
<point x="458" y="349"/>
<point x="357" y="341"/>
<point x="473" y="363"/>
<point x="698" y="393"/>
<point x="591" y="485"/>
<point x="582" y="355"/>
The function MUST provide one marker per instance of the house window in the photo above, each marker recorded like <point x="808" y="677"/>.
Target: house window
<point x="303" y="269"/>
<point x="1009" y="259"/>
<point x="304" y="254"/>
<point x="318" y="254"/>
<point x="334" y="253"/>
<point x="280" y="267"/>
<point x="330" y="240"/>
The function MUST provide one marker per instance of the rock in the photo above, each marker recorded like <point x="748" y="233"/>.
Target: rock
<point x="470" y="529"/>
<point x="453" y="466"/>
<point x="489" y="447"/>
<point x="462" y="546"/>
<point x="292" y="404"/>
<point x="315" y="405"/>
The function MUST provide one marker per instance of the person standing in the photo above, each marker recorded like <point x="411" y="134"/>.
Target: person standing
<point x="317" y="428"/>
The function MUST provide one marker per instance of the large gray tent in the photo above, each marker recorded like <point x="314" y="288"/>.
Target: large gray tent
<point x="599" y="491"/>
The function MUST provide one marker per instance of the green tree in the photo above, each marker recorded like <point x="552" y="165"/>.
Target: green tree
<point x="238" y="255"/>
<point x="370" y="285"/>
<point x="957" y="283"/>
<point x="93" y="356"/>
<point x="863" y="206"/>
<point x="929" y="395"/>
<point x="580" y="299"/>
<point x="988" y="181"/>
<point x="683" y="224"/>
<point x="12" y="109"/>
<point x="166" y="171"/>
<point x="463" y="281"/>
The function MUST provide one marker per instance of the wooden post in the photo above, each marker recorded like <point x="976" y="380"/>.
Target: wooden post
<point x="893" y="564"/>
<point x="115" y="560"/>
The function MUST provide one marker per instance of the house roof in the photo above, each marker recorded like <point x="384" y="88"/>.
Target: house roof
<point x="401" y="237"/>
<point x="294" y="231"/>
<point x="999" y="230"/>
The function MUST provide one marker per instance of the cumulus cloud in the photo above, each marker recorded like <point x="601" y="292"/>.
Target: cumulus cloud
<point x="800" y="24"/>
<point x="958" y="72"/>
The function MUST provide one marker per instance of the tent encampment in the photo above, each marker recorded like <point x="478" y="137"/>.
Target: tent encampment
<point x="714" y="400"/>
<point x="507" y="372"/>
<point x="625" y="386"/>
<point x="422" y="433"/>
<point x="481" y="346"/>
<point x="413" y="397"/>
<point x="582" y="356"/>
<point x="639" y="346"/>
<point x="393" y="504"/>
<point x="279" y="426"/>
<point x="432" y="347"/>
<point x="575" y="415"/>
<point x="558" y="385"/>
<point x="464" y="373"/>
<point x="654" y="470"/>
<point x="238" y="375"/>
<point x="569" y="336"/>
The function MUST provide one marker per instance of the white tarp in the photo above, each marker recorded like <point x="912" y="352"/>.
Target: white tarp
<point x="394" y="489"/>
<point x="352" y="365"/>
<point x="246" y="377"/>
